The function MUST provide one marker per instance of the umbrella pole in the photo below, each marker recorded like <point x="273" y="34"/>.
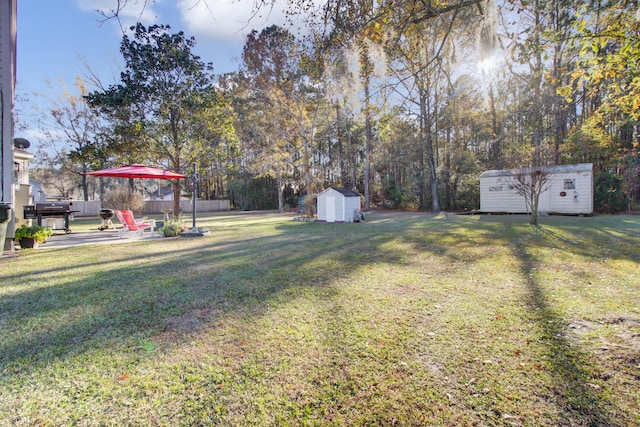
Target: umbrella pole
<point x="193" y="198"/>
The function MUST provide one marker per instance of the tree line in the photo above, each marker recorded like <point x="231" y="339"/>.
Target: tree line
<point x="406" y="102"/>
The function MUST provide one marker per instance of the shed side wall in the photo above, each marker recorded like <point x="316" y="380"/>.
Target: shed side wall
<point x="339" y="206"/>
<point x="352" y="204"/>
<point x="578" y="200"/>
<point x="497" y="194"/>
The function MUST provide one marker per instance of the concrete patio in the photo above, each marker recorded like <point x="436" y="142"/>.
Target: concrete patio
<point x="62" y="240"/>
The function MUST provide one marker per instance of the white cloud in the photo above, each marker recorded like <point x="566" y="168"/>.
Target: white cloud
<point x="229" y="20"/>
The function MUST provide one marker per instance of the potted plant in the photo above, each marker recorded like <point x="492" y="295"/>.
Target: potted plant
<point x="32" y="236"/>
<point x="172" y="228"/>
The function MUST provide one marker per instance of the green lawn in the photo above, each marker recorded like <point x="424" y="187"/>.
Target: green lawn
<point x="407" y="319"/>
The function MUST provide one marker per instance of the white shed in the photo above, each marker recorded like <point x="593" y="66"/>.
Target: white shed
<point x="338" y="205"/>
<point x="569" y="190"/>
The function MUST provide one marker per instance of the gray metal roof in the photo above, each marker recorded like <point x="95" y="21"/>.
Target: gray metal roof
<point x="345" y="192"/>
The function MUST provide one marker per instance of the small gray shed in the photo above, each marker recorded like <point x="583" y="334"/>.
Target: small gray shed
<point x="338" y="205"/>
<point x="569" y="190"/>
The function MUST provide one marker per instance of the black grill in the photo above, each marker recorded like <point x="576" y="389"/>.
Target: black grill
<point x="50" y="210"/>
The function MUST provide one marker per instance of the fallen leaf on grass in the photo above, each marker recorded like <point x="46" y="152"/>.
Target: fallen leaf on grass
<point x="500" y="317"/>
<point x="123" y="377"/>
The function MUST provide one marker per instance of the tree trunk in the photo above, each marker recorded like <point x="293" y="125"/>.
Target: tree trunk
<point x="447" y="173"/>
<point x="367" y="150"/>
<point x="426" y="129"/>
<point x="422" y="181"/>
<point x="495" y="151"/>
<point x="176" y="198"/>
<point x="366" y="71"/>
<point x="280" y="184"/>
<point x="343" y="171"/>
<point x="85" y="183"/>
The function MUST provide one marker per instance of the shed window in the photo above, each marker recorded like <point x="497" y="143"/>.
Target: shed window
<point x="569" y="184"/>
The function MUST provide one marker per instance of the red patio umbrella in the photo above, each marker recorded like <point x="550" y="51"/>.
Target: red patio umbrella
<point x="137" y="171"/>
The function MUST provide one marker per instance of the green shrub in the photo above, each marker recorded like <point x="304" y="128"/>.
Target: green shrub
<point x="608" y="194"/>
<point x="123" y="198"/>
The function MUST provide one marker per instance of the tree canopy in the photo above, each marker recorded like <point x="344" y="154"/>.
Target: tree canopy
<point x="405" y="101"/>
<point x="166" y="104"/>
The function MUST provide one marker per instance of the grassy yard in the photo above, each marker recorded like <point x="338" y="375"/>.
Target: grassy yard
<point x="408" y="319"/>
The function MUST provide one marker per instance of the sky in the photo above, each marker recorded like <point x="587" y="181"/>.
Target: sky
<point x="59" y="40"/>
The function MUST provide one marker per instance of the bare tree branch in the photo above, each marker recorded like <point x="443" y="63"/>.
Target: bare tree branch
<point x="430" y="12"/>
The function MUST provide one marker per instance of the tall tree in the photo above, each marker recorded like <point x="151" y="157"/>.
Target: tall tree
<point x="168" y="99"/>
<point x="286" y="102"/>
<point x="417" y="65"/>
<point x="272" y="66"/>
<point x="366" y="75"/>
<point x="607" y="84"/>
<point x="609" y="56"/>
<point x="541" y="41"/>
<point x="75" y="131"/>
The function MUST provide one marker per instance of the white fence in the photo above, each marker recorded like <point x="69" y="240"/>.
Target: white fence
<point x="92" y="208"/>
<point x="153" y="207"/>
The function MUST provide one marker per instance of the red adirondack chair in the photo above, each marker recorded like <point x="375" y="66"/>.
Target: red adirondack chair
<point x="132" y="225"/>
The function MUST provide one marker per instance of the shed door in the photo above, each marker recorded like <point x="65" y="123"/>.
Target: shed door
<point x="331" y="209"/>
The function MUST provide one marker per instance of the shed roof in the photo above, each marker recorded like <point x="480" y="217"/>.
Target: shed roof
<point x="581" y="167"/>
<point x="344" y="191"/>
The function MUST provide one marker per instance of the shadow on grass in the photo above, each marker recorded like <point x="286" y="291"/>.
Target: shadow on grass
<point x="137" y="294"/>
<point x="588" y="237"/>
<point x="574" y="393"/>
<point x="181" y="287"/>
<point x="577" y="400"/>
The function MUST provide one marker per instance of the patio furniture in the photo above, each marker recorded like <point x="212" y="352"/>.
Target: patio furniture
<point x="132" y="225"/>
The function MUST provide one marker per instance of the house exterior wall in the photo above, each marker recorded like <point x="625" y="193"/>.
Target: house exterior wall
<point x="7" y="87"/>
<point x="568" y="191"/>
<point x="23" y="194"/>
